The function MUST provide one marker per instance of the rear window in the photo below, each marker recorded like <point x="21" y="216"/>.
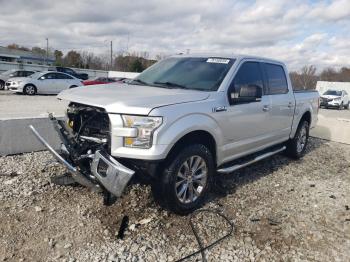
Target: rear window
<point x="276" y="79"/>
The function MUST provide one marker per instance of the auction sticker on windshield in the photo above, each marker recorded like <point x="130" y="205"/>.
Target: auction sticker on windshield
<point x="218" y="60"/>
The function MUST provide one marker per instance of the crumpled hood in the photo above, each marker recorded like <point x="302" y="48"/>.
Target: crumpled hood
<point x="130" y="99"/>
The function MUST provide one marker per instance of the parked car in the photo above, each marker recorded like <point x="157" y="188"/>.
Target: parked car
<point x="103" y="80"/>
<point x="44" y="83"/>
<point x="69" y="71"/>
<point x="13" y="73"/>
<point x="180" y="122"/>
<point x="335" y="98"/>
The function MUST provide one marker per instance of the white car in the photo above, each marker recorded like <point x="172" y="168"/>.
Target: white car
<point x="335" y="98"/>
<point x="43" y="83"/>
<point x="5" y="76"/>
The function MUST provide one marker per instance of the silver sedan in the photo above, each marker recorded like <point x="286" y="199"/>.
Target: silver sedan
<point x="43" y="83"/>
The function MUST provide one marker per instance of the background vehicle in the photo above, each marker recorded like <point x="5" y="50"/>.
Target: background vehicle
<point x="335" y="98"/>
<point x="103" y="80"/>
<point x="69" y="71"/>
<point x="44" y="83"/>
<point x="180" y="122"/>
<point x="13" y="73"/>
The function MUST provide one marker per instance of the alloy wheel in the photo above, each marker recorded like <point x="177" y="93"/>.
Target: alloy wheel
<point x="191" y="179"/>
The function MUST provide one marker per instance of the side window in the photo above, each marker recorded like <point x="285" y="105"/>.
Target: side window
<point x="17" y="74"/>
<point x="63" y="76"/>
<point x="276" y="79"/>
<point x="20" y="73"/>
<point x="50" y="76"/>
<point x="249" y="74"/>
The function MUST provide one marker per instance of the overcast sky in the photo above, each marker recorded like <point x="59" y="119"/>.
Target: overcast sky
<point x="297" y="32"/>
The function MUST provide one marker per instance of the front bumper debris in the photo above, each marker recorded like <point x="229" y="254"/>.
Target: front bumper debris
<point x="106" y="173"/>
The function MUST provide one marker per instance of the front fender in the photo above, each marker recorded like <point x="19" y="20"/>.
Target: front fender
<point x="174" y="131"/>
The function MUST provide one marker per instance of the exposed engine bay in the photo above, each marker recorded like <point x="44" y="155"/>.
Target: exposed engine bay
<point x="85" y="150"/>
<point x="89" y="126"/>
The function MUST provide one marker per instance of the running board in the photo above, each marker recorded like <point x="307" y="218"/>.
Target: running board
<point x="233" y="168"/>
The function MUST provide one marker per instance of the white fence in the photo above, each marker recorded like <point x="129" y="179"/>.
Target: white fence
<point x="4" y="66"/>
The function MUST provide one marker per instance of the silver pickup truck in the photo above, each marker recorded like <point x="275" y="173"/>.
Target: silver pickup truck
<point x="181" y="122"/>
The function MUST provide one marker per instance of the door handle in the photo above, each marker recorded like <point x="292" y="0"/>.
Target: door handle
<point x="290" y="105"/>
<point x="266" y="108"/>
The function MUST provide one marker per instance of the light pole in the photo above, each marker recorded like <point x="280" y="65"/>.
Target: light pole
<point x="47" y="50"/>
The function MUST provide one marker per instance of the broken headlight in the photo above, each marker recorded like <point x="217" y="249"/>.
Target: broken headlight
<point x="145" y="125"/>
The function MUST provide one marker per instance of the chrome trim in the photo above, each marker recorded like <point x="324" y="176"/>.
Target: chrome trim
<point x="117" y="176"/>
<point x="77" y="176"/>
<point x="53" y="152"/>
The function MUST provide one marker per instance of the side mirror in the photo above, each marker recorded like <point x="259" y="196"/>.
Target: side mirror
<point x="247" y="94"/>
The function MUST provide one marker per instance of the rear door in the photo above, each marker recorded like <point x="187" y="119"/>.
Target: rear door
<point x="282" y="100"/>
<point x="64" y="81"/>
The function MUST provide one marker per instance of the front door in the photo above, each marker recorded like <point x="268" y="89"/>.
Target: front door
<point x="246" y="126"/>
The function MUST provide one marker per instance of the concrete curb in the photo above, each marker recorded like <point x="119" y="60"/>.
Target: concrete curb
<point x="16" y="137"/>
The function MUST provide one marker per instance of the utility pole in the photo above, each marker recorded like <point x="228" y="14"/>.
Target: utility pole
<point x="111" y="55"/>
<point x="47" y="50"/>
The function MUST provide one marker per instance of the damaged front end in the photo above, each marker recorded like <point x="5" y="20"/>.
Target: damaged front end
<point x="85" y="150"/>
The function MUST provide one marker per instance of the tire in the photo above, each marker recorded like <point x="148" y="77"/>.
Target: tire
<point x="341" y="107"/>
<point x="29" y="90"/>
<point x="2" y="85"/>
<point x="179" y="189"/>
<point x="296" y="147"/>
<point x="347" y="106"/>
<point x="73" y="87"/>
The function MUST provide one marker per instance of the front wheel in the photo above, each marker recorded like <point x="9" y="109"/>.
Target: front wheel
<point x="2" y="85"/>
<point x="341" y="107"/>
<point x="296" y="146"/>
<point x="29" y="90"/>
<point x="185" y="182"/>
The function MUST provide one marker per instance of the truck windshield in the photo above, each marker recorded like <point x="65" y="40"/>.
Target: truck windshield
<point x="193" y="73"/>
<point x="333" y="93"/>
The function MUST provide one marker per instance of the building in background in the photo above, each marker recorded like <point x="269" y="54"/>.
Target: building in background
<point x="24" y="57"/>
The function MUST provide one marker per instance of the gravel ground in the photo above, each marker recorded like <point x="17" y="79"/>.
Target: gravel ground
<point x="283" y="210"/>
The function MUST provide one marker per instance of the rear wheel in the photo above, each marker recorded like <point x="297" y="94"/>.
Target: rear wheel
<point x="29" y="90"/>
<point x="2" y="85"/>
<point x="296" y="146"/>
<point x="185" y="181"/>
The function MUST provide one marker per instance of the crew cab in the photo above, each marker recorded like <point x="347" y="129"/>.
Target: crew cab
<point x="180" y="122"/>
<point x="69" y="71"/>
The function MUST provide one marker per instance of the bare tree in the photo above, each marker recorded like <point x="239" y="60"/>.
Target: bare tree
<point x="305" y="79"/>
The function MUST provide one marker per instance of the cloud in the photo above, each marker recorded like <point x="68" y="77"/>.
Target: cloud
<point x="297" y="32"/>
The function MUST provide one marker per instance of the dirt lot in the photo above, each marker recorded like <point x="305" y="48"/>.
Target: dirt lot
<point x="283" y="210"/>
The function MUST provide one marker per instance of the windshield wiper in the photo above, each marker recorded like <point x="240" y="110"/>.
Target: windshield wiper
<point x="171" y="84"/>
<point x="139" y="82"/>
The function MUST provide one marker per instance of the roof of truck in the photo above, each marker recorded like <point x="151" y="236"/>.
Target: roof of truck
<point x="232" y="56"/>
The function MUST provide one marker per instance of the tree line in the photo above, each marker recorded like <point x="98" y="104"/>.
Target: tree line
<point x="305" y="78"/>
<point x="121" y="61"/>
